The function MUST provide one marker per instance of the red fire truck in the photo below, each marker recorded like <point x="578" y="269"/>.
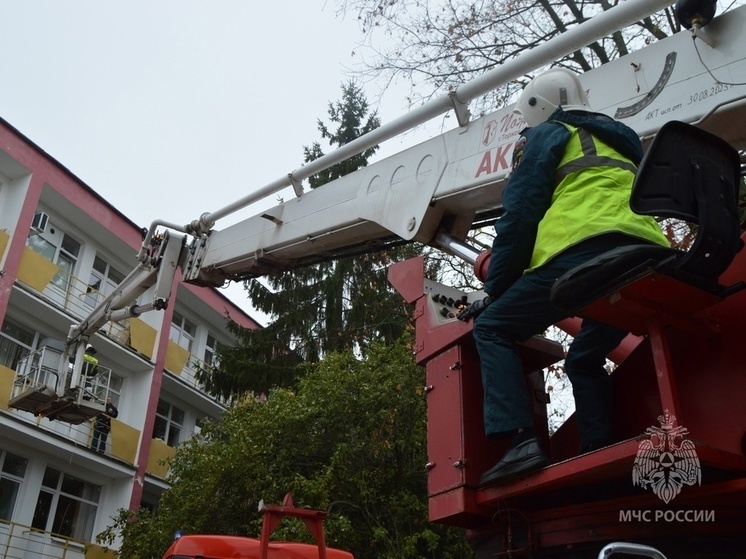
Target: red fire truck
<point x="674" y="482"/>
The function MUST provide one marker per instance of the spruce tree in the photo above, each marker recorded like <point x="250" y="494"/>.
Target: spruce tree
<point x="345" y="303"/>
<point x="332" y="306"/>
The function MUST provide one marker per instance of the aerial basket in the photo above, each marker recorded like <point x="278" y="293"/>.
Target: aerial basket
<point x="41" y="387"/>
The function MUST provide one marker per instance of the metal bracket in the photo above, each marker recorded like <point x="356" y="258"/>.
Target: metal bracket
<point x="460" y="108"/>
<point x="297" y="185"/>
<point x="697" y="33"/>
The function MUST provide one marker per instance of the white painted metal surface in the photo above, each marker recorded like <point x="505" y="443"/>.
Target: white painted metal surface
<point x="444" y="182"/>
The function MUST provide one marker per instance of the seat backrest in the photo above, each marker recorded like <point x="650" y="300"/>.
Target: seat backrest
<point x="693" y="175"/>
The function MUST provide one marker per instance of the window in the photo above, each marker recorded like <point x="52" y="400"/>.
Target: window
<point x="104" y="279"/>
<point x="169" y="421"/>
<point x="210" y="347"/>
<point x="198" y="426"/>
<point x="16" y="342"/>
<point x="183" y="331"/>
<point x="66" y="505"/>
<point x="115" y="388"/>
<point x="12" y="471"/>
<point x="61" y="249"/>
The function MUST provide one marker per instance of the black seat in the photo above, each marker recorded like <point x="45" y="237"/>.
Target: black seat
<point x="687" y="174"/>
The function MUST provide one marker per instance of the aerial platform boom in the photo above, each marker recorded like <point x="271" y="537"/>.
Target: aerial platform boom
<point x="454" y="179"/>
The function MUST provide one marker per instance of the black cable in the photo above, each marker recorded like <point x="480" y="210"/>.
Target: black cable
<point x="696" y="48"/>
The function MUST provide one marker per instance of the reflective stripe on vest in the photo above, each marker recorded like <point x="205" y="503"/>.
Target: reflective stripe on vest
<point x="590" y="158"/>
<point x="590" y="198"/>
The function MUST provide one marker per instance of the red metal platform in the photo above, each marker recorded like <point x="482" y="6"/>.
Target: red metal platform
<point x="691" y="362"/>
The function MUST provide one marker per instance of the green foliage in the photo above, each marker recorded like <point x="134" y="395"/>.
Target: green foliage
<point x="351" y="440"/>
<point x="142" y="535"/>
<point x="335" y="306"/>
<point x="352" y="119"/>
<point x="332" y="306"/>
<point x="259" y="361"/>
<point x="343" y="303"/>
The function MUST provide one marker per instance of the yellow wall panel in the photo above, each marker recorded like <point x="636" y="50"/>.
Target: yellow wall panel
<point x="176" y="357"/>
<point x="93" y="551"/>
<point x="142" y="337"/>
<point x="6" y="385"/>
<point x="4" y="238"/>
<point x="124" y="441"/>
<point x="35" y="270"/>
<point x="160" y="453"/>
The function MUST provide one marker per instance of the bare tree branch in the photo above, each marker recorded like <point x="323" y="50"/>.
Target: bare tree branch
<point x="438" y="44"/>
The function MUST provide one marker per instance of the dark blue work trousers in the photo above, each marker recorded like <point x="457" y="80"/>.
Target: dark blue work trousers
<point x="524" y="310"/>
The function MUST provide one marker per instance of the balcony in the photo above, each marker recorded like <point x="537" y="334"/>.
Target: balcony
<point x="122" y="442"/>
<point x="66" y="292"/>
<point x="77" y="298"/>
<point x="42" y="386"/>
<point x="20" y="542"/>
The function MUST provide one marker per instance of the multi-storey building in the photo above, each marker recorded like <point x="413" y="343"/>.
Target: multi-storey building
<point x="63" y="248"/>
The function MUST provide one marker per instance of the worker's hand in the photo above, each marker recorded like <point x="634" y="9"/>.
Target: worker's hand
<point x="475" y="309"/>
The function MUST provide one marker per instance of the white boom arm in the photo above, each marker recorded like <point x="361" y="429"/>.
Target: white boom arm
<point x="447" y="182"/>
<point x="159" y="260"/>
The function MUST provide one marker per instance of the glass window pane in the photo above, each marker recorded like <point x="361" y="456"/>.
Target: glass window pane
<point x="42" y="246"/>
<point x="51" y="478"/>
<point x="115" y="383"/>
<point x="177" y="415"/>
<point x="18" y="332"/>
<point x="177" y="319"/>
<point x="208" y="357"/>
<point x="93" y="289"/>
<point x="70" y="245"/>
<point x="8" y="494"/>
<point x="14" y="465"/>
<point x="115" y="276"/>
<point x="159" y="428"/>
<point x="41" y="513"/>
<point x="163" y="408"/>
<point x="11" y="353"/>
<point x="73" y="486"/>
<point x="174" y="333"/>
<point x="100" y="265"/>
<point x="173" y="436"/>
<point x="74" y="518"/>
<point x="64" y="516"/>
<point x="110" y="286"/>
<point x="62" y="278"/>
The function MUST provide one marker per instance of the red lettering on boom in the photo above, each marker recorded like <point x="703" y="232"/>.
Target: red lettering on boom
<point x="512" y="123"/>
<point x="490" y="164"/>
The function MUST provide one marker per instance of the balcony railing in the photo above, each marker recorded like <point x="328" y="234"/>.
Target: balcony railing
<point x="41" y="367"/>
<point x="23" y="542"/>
<point x="189" y="375"/>
<point x="78" y="298"/>
<point x="43" y="385"/>
<point x="78" y="435"/>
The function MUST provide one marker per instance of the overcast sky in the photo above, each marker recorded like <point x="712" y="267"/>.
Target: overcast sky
<point x="173" y="108"/>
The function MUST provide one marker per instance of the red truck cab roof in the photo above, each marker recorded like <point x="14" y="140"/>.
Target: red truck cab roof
<point x="234" y="547"/>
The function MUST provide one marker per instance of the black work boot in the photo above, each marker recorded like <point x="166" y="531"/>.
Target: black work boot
<point x="519" y="459"/>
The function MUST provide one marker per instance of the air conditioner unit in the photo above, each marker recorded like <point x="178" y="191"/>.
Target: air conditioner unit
<point x="39" y="223"/>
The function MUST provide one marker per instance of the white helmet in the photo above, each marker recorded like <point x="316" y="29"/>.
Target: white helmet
<point x="547" y="91"/>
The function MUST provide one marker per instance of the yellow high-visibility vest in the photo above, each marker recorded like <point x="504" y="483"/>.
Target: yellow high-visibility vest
<point x="594" y="183"/>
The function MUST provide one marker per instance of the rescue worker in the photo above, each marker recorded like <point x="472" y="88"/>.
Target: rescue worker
<point x="102" y="426"/>
<point x="90" y="364"/>
<point x="90" y="361"/>
<point x="566" y="201"/>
